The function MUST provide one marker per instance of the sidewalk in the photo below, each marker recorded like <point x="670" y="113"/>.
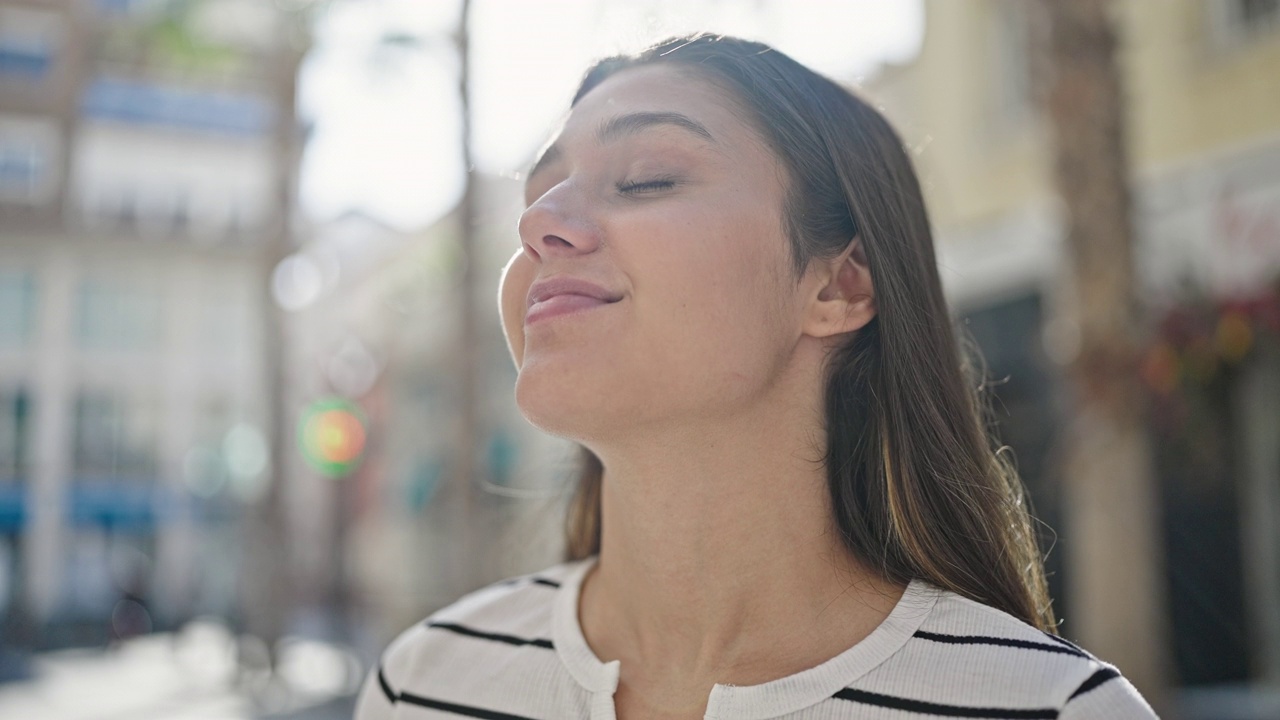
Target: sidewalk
<point x="190" y="675"/>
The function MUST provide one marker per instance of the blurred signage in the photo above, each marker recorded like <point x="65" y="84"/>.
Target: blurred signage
<point x="135" y="504"/>
<point x="332" y="436"/>
<point x="1217" y="226"/>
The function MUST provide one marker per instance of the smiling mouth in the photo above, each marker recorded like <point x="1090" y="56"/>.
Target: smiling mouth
<point x="560" y="305"/>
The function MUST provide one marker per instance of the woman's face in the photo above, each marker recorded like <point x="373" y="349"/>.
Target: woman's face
<point x="669" y="206"/>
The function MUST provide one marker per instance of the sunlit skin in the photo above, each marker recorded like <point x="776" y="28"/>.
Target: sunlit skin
<point x="700" y="389"/>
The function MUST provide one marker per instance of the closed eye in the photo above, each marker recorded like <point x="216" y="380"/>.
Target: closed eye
<point x="648" y="186"/>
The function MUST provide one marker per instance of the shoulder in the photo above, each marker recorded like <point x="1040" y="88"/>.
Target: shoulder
<point x="965" y="654"/>
<point x="504" y="625"/>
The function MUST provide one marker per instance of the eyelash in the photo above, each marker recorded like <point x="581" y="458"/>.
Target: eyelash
<point x="640" y="188"/>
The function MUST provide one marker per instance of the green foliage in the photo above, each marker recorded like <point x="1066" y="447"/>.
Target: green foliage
<point x="174" y="41"/>
<point x="168" y="40"/>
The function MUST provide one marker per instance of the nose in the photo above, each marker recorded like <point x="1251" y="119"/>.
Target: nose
<point x="559" y="225"/>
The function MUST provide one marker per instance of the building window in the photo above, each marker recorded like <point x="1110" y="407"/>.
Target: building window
<point x="15" y="411"/>
<point x="29" y="152"/>
<point x="228" y="332"/>
<point x="116" y="7"/>
<point x="115" y="436"/>
<point x="28" y="43"/>
<point x="1257" y="13"/>
<point x="1236" y="21"/>
<point x="10" y="571"/>
<point x="116" y="315"/>
<point x="21" y="170"/>
<point x="17" y="308"/>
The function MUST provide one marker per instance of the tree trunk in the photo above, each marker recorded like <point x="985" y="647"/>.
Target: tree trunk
<point x="1115" y="574"/>
<point x="268" y="593"/>
<point x="466" y="452"/>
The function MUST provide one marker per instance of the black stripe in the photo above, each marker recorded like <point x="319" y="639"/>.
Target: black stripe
<point x="1094" y="681"/>
<point x="1004" y="642"/>
<point x="496" y="637"/>
<point x="532" y="580"/>
<point x="928" y="708"/>
<point x="1067" y="643"/>
<point x="386" y="688"/>
<point x="465" y="710"/>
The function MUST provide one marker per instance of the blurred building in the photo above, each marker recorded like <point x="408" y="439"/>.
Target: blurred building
<point x="1204" y="141"/>
<point x="137" y="186"/>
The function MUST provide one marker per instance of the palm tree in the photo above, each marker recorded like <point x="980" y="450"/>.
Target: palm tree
<point x="1114" y="568"/>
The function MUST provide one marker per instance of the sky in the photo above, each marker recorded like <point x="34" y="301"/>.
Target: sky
<point x="385" y="114"/>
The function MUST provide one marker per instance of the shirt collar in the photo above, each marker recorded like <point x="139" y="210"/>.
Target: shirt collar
<point x="751" y="702"/>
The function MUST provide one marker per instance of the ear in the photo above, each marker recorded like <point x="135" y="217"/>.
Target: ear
<point x="842" y="298"/>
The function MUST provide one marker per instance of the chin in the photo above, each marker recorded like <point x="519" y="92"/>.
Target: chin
<point x="564" y="405"/>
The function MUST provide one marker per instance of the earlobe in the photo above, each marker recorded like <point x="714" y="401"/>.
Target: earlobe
<point x="845" y="302"/>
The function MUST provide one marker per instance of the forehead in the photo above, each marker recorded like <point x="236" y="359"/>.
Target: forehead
<point x="655" y="90"/>
<point x="655" y="87"/>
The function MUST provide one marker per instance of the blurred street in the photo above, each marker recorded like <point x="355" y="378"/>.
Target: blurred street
<point x="190" y="675"/>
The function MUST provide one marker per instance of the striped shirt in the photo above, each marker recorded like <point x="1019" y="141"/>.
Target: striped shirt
<point x="515" y="651"/>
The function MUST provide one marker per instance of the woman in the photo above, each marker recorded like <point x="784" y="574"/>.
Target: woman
<point x="727" y="295"/>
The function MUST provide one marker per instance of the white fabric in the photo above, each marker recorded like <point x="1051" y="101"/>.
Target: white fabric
<point x="515" y="650"/>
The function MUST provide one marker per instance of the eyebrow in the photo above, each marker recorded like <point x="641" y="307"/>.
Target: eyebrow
<point x="621" y="126"/>
<point x="632" y="123"/>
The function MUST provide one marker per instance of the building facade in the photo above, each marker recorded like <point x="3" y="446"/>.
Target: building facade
<point x="137" y="176"/>
<point x="1203" y="134"/>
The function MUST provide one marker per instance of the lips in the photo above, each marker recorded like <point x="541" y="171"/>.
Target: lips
<point x="564" y="295"/>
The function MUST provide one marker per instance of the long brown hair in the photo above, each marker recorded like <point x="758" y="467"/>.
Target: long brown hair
<point x="918" y="489"/>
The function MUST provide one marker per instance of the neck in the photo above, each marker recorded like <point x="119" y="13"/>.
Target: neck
<point x="719" y="557"/>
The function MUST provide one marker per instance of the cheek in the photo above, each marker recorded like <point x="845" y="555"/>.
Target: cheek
<point x="512" y="291"/>
<point x="721" y="301"/>
<point x="745" y="309"/>
<point x="731" y="270"/>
